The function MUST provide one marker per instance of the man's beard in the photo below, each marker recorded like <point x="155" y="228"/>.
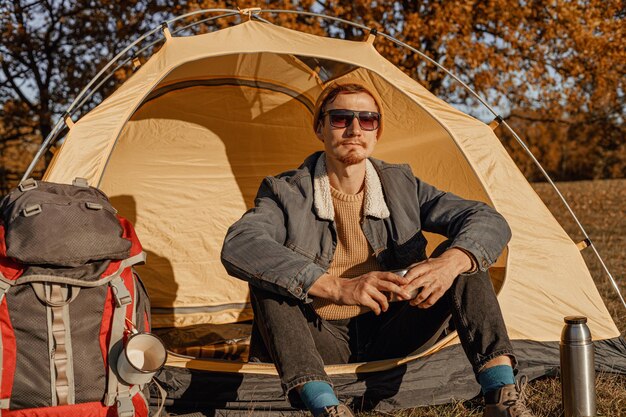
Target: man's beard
<point x="352" y="158"/>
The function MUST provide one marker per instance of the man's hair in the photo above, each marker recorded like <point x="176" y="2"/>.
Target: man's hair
<point x="332" y="96"/>
<point x="349" y="85"/>
<point x="347" y="88"/>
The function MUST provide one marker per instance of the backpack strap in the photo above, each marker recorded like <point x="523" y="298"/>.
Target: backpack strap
<point x="4" y="287"/>
<point x="60" y="344"/>
<point x="65" y="295"/>
<point x="118" y="393"/>
<point x="4" y="402"/>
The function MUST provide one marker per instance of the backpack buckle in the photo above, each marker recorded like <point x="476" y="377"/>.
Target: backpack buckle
<point x="120" y="292"/>
<point x="80" y="182"/>
<point x="93" y="206"/>
<point x="28" y="184"/>
<point x="125" y="407"/>
<point x="31" y="210"/>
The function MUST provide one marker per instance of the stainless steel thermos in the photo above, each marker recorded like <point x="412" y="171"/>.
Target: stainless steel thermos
<point x="577" y="368"/>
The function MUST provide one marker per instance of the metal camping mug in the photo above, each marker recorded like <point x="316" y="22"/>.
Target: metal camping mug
<point x="402" y="272"/>
<point x="577" y="368"/>
<point x="143" y="355"/>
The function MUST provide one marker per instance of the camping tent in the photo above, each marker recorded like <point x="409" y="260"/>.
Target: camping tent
<point x="182" y="146"/>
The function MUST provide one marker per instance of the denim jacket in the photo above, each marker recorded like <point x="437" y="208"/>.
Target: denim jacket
<point x="283" y="245"/>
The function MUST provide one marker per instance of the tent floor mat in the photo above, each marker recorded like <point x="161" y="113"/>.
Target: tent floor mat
<point x="420" y="382"/>
<point x="209" y="341"/>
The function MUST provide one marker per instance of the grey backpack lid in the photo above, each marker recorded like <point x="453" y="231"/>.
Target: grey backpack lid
<point x="61" y="224"/>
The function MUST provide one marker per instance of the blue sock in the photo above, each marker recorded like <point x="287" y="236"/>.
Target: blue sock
<point x="316" y="395"/>
<point x="495" y="377"/>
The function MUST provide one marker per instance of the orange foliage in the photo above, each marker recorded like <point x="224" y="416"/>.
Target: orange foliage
<point x="555" y="70"/>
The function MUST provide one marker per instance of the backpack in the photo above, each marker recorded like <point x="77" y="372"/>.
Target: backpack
<point x="69" y="298"/>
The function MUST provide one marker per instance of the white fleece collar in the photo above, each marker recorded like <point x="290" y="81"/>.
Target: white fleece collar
<point x="374" y="201"/>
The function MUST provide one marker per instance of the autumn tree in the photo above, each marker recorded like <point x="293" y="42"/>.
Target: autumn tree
<point x="50" y="50"/>
<point x="554" y="70"/>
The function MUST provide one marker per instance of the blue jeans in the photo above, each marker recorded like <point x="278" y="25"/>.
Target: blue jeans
<point x="290" y="334"/>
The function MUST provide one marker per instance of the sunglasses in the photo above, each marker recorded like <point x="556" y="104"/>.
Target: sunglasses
<point x="340" y="118"/>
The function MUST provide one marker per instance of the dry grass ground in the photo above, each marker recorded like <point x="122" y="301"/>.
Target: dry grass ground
<point x="601" y="208"/>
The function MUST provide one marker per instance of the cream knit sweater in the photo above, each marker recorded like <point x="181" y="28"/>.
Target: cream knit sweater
<point x="353" y="254"/>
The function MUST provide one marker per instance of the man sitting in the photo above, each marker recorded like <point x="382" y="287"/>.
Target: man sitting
<point x="318" y="246"/>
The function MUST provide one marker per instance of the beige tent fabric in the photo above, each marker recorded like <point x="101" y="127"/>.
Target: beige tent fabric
<point x="208" y="148"/>
<point x="182" y="146"/>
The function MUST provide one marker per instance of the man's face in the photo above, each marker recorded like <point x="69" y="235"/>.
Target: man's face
<point x="352" y="144"/>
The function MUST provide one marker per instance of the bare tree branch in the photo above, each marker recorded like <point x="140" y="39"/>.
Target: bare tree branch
<point x="14" y="87"/>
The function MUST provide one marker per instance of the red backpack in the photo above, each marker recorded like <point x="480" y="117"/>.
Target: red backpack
<point x="69" y="299"/>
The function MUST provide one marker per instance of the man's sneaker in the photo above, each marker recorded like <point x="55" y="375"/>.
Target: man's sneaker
<point x="336" y="411"/>
<point x="507" y="401"/>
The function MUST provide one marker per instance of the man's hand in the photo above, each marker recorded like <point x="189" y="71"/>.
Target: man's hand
<point x="366" y="290"/>
<point x="434" y="276"/>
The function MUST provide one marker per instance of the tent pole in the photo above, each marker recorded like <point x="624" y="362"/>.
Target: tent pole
<point x="141" y="38"/>
<point x="571" y="211"/>
<point x="74" y="106"/>
<point x="229" y="12"/>
<point x="526" y="149"/>
<point x="130" y="58"/>
<point x="46" y="143"/>
<point x="44" y="146"/>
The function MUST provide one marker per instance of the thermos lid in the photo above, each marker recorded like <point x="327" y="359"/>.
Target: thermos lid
<point x="575" y="319"/>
